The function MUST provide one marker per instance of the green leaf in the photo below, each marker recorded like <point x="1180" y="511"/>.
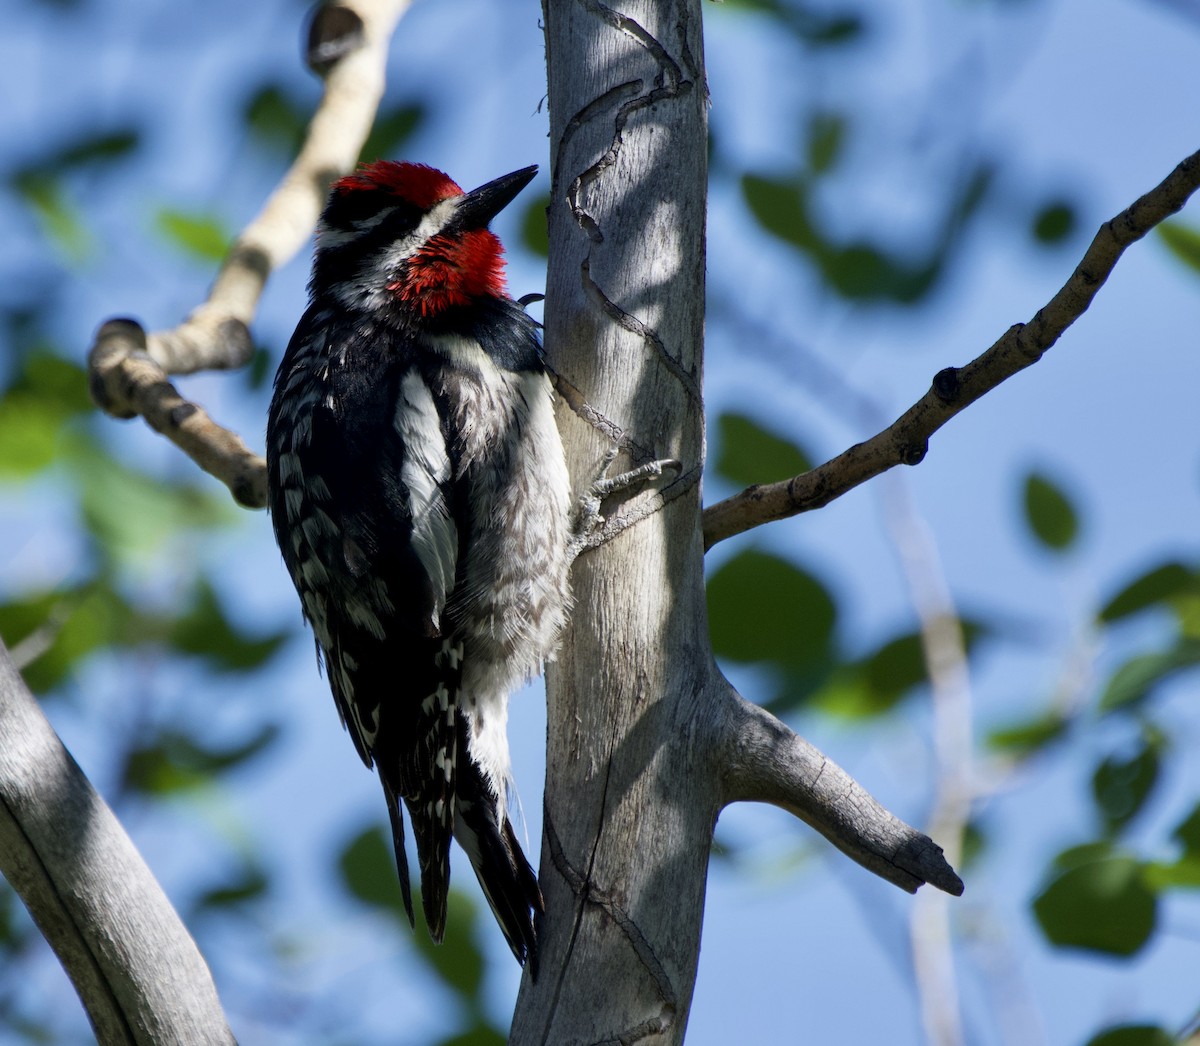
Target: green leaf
<point x="1027" y="737"/>
<point x="1138" y="677"/>
<point x="1160" y="585"/>
<point x="176" y="762"/>
<point x="750" y="454"/>
<point x="205" y="631"/>
<point x="859" y="270"/>
<point x="480" y="1035"/>
<point x="875" y="684"/>
<point x="1183" y="241"/>
<point x="779" y="206"/>
<point x="897" y="666"/>
<point x="534" y="233"/>
<point x="391" y="130"/>
<point x="260" y="368"/>
<point x="974" y="844"/>
<point x="60" y="220"/>
<point x="1132" y="1035"/>
<point x="457" y="960"/>
<point x="1083" y="854"/>
<point x="104" y="148"/>
<point x="816" y="28"/>
<point x="41" y="186"/>
<point x="249" y="883"/>
<point x="1054" y="223"/>
<point x="1121" y="787"/>
<point x="29" y="434"/>
<point x="54" y="380"/>
<point x="1183" y="874"/>
<point x="1187" y="832"/>
<point x="1050" y="515"/>
<point x="131" y="513"/>
<point x="829" y="31"/>
<point x="763" y="608"/>
<point x="368" y="867"/>
<point x="826" y="134"/>
<point x="275" y="119"/>
<point x="69" y="624"/>
<point x="1101" y="906"/>
<point x="200" y="235"/>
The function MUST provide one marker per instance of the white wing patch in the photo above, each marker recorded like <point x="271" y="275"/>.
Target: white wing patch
<point x="426" y="467"/>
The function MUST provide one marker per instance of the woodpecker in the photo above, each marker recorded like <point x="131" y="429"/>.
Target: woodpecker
<point x="420" y="499"/>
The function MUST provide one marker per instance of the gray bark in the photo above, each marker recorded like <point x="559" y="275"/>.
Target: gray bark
<point x="133" y="962"/>
<point x="647" y="741"/>
<point x="629" y="809"/>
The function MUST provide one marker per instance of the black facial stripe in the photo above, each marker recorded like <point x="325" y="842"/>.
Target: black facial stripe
<point x="351" y="206"/>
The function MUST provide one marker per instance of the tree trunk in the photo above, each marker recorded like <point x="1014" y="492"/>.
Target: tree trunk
<point x="629" y="810"/>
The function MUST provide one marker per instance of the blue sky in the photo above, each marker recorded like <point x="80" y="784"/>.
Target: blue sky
<point x="1088" y="97"/>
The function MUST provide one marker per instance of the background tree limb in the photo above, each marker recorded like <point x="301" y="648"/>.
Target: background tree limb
<point x="906" y="440"/>
<point x="348" y="46"/>
<point x="133" y="962"/>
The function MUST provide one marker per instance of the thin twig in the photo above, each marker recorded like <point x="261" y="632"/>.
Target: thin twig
<point x="906" y="440"/>
<point x="129" y="368"/>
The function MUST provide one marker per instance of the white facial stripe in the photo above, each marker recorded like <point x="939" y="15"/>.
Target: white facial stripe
<point x="432" y="222"/>
<point x="367" y="289"/>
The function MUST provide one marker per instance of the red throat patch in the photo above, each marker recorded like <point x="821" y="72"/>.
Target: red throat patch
<point x="451" y="270"/>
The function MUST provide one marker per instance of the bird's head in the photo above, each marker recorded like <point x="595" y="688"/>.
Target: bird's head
<point x="406" y="234"/>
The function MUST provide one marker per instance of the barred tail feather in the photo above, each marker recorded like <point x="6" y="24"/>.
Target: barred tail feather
<point x="433" y="856"/>
<point x="508" y="881"/>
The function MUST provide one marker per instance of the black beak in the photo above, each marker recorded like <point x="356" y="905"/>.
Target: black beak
<point x="480" y="206"/>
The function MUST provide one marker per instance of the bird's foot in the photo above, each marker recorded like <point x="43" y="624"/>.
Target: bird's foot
<point x="588" y="522"/>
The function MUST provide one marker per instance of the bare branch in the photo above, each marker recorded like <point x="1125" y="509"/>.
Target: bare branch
<point x="945" y="652"/>
<point x="127" y="382"/>
<point x="765" y="762"/>
<point x="134" y="964"/>
<point x="906" y="440"/>
<point x="129" y="369"/>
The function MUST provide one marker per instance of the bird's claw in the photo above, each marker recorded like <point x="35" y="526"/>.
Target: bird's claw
<point x="587" y="511"/>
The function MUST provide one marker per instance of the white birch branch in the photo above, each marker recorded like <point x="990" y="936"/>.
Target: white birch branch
<point x="129" y="368"/>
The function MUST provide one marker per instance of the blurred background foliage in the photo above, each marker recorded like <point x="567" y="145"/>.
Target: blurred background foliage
<point x="130" y="590"/>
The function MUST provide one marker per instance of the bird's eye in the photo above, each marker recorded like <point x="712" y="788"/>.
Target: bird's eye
<point x="402" y="217"/>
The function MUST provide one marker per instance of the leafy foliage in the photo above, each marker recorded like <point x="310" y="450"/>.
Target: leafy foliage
<point x="751" y="454"/>
<point x="369" y="874"/>
<point x="1052" y="518"/>
<point x="793" y="629"/>
<point x="200" y="235"/>
<point x="1183" y="241"/>
<point x="140" y="585"/>
<point x="1133" y="1035"/>
<point x="1099" y="902"/>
